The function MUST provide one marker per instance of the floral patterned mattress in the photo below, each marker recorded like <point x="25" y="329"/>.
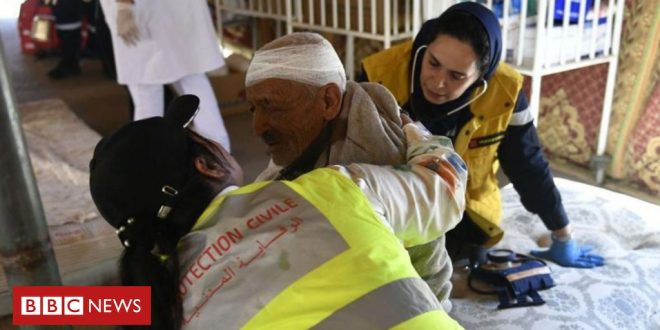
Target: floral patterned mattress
<point x="623" y="294"/>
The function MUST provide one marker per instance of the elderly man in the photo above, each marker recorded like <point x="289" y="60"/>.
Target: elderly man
<point x="310" y="116"/>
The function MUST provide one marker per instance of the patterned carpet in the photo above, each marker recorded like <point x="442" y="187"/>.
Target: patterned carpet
<point x="623" y="294"/>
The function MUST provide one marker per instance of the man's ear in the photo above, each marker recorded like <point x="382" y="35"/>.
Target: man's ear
<point x="332" y="100"/>
<point x="209" y="168"/>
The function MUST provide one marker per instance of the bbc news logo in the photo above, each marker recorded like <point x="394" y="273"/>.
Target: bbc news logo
<point x="81" y="305"/>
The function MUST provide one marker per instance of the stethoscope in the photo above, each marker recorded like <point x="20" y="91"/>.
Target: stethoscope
<point x="459" y="108"/>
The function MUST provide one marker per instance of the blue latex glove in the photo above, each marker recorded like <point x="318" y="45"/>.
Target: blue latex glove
<point x="570" y="254"/>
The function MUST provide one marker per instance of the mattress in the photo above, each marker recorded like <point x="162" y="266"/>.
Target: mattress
<point x="623" y="294"/>
<point x="60" y="146"/>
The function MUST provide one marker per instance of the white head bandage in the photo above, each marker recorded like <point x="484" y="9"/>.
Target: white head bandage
<point x="316" y="65"/>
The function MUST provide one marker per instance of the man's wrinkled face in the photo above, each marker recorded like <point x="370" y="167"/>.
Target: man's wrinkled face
<point x="287" y="115"/>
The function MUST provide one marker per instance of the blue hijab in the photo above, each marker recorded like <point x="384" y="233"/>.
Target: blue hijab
<point x="434" y="116"/>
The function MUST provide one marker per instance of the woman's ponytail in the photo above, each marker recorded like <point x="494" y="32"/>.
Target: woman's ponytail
<point x="150" y="259"/>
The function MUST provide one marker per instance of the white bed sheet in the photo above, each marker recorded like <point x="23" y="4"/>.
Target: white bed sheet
<point x="623" y="294"/>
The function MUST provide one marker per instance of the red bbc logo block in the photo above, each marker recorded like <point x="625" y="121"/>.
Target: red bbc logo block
<point x="81" y="305"/>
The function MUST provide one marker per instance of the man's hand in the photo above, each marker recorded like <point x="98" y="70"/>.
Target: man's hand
<point x="127" y="28"/>
<point x="405" y="119"/>
<point x="569" y="254"/>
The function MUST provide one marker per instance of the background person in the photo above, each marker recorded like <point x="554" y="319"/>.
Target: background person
<point x="69" y="15"/>
<point x="324" y="250"/>
<point x="451" y="79"/>
<point x="167" y="42"/>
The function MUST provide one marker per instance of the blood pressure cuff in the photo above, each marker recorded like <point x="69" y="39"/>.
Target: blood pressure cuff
<point x="515" y="278"/>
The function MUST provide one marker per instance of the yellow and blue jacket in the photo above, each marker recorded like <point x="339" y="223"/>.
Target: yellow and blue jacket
<point x="497" y="130"/>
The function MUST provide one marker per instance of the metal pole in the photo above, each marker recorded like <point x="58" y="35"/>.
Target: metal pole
<point x="26" y="253"/>
<point x="218" y="21"/>
<point x="539" y="59"/>
<point x="600" y="161"/>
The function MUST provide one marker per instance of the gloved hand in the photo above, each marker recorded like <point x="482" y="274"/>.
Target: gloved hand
<point x="569" y="254"/>
<point x="127" y="28"/>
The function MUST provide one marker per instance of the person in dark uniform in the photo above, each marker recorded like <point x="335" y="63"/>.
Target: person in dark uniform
<point x="69" y="16"/>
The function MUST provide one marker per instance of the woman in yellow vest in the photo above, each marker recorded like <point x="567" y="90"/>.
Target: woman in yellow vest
<point x="324" y="251"/>
<point x="450" y="78"/>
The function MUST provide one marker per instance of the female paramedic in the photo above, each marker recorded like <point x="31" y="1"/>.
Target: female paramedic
<point x="450" y="78"/>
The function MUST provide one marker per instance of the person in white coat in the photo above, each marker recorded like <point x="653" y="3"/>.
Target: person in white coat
<point x="167" y="42"/>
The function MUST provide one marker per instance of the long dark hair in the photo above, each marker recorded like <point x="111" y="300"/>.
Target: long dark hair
<point x="151" y="258"/>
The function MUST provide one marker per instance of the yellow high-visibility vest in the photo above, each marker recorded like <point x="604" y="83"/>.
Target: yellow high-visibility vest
<point x="310" y="253"/>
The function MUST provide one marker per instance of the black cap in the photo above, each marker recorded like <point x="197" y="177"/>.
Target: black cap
<point x="138" y="170"/>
